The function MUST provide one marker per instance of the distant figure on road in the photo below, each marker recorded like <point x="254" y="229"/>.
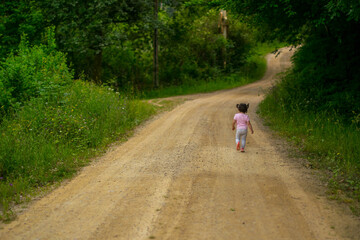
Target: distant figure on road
<point x="242" y="122"/>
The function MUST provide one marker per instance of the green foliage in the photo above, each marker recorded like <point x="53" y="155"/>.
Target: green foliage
<point x="110" y="41"/>
<point x="348" y="8"/>
<point x="189" y="46"/>
<point x="324" y="80"/>
<point x="48" y="140"/>
<point x="241" y="41"/>
<point x="252" y="70"/>
<point x="32" y="72"/>
<point x="127" y="65"/>
<point x="16" y="19"/>
<point x="85" y="28"/>
<point x="294" y="20"/>
<point x="276" y="18"/>
<point x="51" y="125"/>
<point x="192" y="47"/>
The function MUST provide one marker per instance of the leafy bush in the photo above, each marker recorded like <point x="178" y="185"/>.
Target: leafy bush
<point x="32" y="72"/>
<point x="324" y="77"/>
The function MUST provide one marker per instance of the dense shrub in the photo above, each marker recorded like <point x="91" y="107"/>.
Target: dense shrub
<point x="128" y="67"/>
<point x="324" y="77"/>
<point x="32" y="72"/>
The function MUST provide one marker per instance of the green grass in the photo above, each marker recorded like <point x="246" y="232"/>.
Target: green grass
<point x="47" y="141"/>
<point x="328" y="143"/>
<point x="252" y="71"/>
<point x="199" y="86"/>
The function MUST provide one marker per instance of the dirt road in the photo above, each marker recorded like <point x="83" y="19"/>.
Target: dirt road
<point x="180" y="177"/>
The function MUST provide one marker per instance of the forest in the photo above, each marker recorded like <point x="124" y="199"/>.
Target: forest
<point x="74" y="74"/>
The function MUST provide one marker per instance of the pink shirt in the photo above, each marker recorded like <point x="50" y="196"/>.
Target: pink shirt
<point x="241" y="120"/>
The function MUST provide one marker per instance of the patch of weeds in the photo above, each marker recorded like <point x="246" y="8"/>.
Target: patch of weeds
<point x="48" y="140"/>
<point x="355" y="209"/>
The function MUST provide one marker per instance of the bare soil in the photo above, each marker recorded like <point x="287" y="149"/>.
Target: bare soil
<point x="180" y="177"/>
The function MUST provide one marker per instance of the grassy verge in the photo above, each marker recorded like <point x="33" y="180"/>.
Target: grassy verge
<point x="329" y="144"/>
<point x="252" y="71"/>
<point x="48" y="140"/>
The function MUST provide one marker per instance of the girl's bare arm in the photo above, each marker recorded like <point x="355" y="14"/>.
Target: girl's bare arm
<point x="250" y="126"/>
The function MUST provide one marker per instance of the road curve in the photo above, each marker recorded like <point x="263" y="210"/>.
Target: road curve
<point x="180" y="177"/>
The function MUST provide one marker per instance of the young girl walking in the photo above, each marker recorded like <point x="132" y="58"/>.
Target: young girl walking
<point x="242" y="122"/>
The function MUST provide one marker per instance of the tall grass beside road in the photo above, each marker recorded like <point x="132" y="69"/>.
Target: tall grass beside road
<point x="46" y="141"/>
<point x="316" y="104"/>
<point x="328" y="142"/>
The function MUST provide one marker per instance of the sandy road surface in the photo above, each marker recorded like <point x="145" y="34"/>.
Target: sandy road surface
<point x="180" y="177"/>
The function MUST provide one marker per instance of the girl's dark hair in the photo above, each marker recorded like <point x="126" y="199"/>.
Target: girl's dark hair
<point x="242" y="107"/>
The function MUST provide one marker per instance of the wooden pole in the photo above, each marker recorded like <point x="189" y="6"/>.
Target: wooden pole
<point x="156" y="46"/>
<point x="224" y="30"/>
<point x="224" y="23"/>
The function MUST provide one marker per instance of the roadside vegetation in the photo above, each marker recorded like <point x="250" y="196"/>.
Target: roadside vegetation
<point x="316" y="103"/>
<point x="73" y="73"/>
<point x="326" y="129"/>
<point x="251" y="71"/>
<point x="74" y="81"/>
<point x="51" y="125"/>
